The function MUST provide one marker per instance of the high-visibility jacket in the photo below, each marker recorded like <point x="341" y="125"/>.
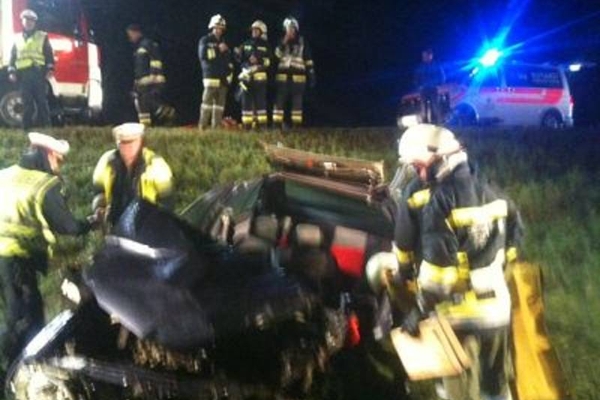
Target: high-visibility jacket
<point x="148" y="65"/>
<point x="295" y="60"/>
<point x="461" y="234"/>
<point x="258" y="48"/>
<point x="217" y="66"/>
<point x="31" y="49"/>
<point x="153" y="180"/>
<point x="24" y="230"/>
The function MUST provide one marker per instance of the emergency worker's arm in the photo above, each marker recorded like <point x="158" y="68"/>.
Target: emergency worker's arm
<point x="59" y="217"/>
<point x="264" y="55"/>
<point x="13" y="60"/>
<point x="206" y="52"/>
<point x="405" y="237"/>
<point x="48" y="55"/>
<point x="438" y="273"/>
<point x="142" y="62"/>
<point x="162" y="178"/>
<point x="102" y="174"/>
<point x="514" y="232"/>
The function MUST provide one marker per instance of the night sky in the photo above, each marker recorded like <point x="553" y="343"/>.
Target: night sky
<point x="364" y="51"/>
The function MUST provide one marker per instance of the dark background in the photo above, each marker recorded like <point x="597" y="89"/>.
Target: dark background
<point x="364" y="51"/>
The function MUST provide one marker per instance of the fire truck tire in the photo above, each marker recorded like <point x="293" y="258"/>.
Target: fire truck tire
<point x="11" y="108"/>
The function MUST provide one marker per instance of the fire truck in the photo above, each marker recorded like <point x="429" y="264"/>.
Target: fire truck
<point x="76" y="88"/>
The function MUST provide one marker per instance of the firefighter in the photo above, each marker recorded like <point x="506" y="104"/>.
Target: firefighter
<point x="429" y="75"/>
<point x="294" y="68"/>
<point x="149" y="78"/>
<point x="130" y="171"/>
<point x="454" y="236"/>
<point x="32" y="211"/>
<point x="254" y="57"/>
<point x="217" y="72"/>
<point x="31" y="64"/>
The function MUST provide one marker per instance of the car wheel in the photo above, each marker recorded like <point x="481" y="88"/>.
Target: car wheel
<point x="552" y="120"/>
<point x="11" y="108"/>
<point x="463" y="116"/>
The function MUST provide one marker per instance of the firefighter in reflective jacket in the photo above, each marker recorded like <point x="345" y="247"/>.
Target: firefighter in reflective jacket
<point x="455" y="235"/>
<point x="149" y="79"/>
<point x="294" y="68"/>
<point x="32" y="210"/>
<point x="254" y="57"/>
<point x="217" y="73"/>
<point x="31" y="63"/>
<point x="128" y="172"/>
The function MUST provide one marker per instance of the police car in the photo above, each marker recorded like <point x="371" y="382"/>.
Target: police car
<point x="512" y="94"/>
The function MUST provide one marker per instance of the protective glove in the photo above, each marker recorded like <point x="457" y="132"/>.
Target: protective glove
<point x="411" y="321"/>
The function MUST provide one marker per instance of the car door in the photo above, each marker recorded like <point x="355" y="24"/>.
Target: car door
<point x="484" y="91"/>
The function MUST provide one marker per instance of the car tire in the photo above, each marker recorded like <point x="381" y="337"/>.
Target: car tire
<point x="11" y="108"/>
<point x="552" y="120"/>
<point x="463" y="115"/>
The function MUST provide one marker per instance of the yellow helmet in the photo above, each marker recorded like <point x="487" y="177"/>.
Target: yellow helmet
<point x="217" y="21"/>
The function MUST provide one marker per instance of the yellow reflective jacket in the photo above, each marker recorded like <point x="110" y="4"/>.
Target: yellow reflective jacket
<point x="461" y="234"/>
<point x="23" y="228"/>
<point x="155" y="181"/>
<point x="30" y="51"/>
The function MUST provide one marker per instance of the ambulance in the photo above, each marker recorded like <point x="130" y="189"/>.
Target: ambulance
<point x="76" y="89"/>
<point x="508" y="94"/>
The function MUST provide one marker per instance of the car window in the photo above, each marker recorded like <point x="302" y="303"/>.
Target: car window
<point x="490" y="80"/>
<point x="335" y="208"/>
<point x="517" y="76"/>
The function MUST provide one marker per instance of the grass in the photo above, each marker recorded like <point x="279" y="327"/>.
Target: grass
<point x="554" y="177"/>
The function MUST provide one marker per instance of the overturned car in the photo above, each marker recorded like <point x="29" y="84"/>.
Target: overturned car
<point x="246" y="294"/>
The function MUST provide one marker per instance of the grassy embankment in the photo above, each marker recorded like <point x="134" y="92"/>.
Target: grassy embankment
<point x="553" y="177"/>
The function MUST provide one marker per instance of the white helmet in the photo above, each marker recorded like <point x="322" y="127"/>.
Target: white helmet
<point x="261" y="26"/>
<point x="291" y="22"/>
<point x="423" y="142"/>
<point x="217" y="20"/>
<point x="29" y="14"/>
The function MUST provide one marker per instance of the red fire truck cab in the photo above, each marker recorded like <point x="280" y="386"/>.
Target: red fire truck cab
<point x="76" y="88"/>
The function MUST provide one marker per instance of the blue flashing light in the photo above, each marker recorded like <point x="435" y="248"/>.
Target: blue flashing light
<point x="575" y="67"/>
<point x="490" y="58"/>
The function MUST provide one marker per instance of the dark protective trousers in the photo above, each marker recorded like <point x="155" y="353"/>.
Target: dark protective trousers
<point x="213" y="106"/>
<point x="148" y="101"/>
<point x="287" y="91"/>
<point x="430" y="105"/>
<point x="23" y="306"/>
<point x="254" y="103"/>
<point x="34" y="91"/>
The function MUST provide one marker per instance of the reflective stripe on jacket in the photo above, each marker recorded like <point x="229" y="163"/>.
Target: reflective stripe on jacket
<point x="23" y="227"/>
<point x="258" y="48"/>
<point x="148" y="66"/>
<point x="216" y="65"/>
<point x="295" y="58"/>
<point x="30" y="50"/>
<point x="154" y="182"/>
<point x="461" y="233"/>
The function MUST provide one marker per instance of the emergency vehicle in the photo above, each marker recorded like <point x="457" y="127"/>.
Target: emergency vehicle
<point x="512" y="93"/>
<point x="76" y="88"/>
